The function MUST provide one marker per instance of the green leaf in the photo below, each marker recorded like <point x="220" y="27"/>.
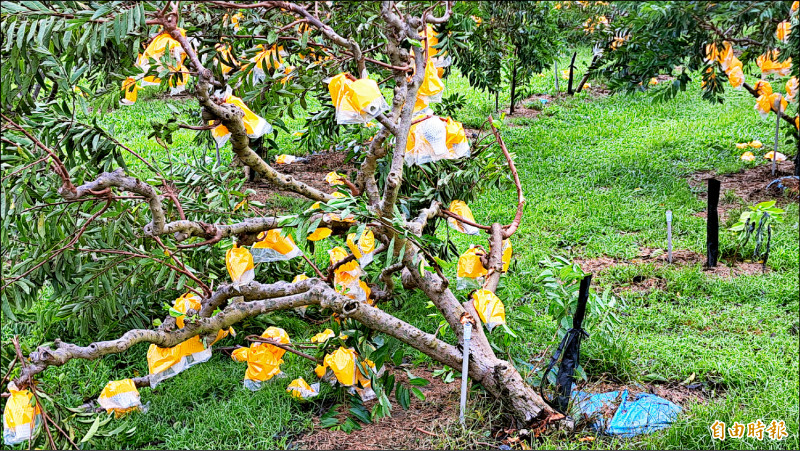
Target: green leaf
<point x="402" y="395"/>
<point x="92" y="430"/>
<point x="361" y="413"/>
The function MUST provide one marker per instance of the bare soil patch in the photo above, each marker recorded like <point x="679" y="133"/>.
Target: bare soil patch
<point x="311" y="172"/>
<point x="680" y="257"/>
<point x="405" y="429"/>
<point x="751" y="184"/>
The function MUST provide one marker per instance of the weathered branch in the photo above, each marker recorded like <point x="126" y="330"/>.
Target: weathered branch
<point x="264" y="298"/>
<point x="511" y="228"/>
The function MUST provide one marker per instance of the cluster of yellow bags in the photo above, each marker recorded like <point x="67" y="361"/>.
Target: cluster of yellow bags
<point x="120" y="397"/>
<point x="433" y="138"/>
<point x="161" y="45"/>
<point x="267" y="58"/>
<point x="263" y="359"/>
<point x="766" y="99"/>
<point x="728" y="61"/>
<point x="22" y="417"/>
<point x="364" y="249"/>
<point x="471" y="271"/>
<point x="164" y="363"/>
<point x="769" y="65"/>
<point x="357" y="101"/>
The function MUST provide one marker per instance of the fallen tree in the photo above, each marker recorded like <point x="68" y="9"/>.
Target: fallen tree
<point x="372" y="197"/>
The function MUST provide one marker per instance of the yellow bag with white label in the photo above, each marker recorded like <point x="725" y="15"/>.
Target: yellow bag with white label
<point x="489" y="307"/>
<point x="427" y="141"/>
<point x="265" y="59"/>
<point x="130" y="90"/>
<point x="300" y="389"/>
<point x="342" y="363"/>
<point x="470" y="268"/>
<point x="161" y="45"/>
<point x="346" y="278"/>
<point x="273" y="246"/>
<point x="240" y="264"/>
<point x="456" y="140"/>
<point x="340" y="366"/>
<point x="507" y="253"/>
<point x="254" y="125"/>
<point x="263" y="359"/>
<point x="460" y="208"/>
<point x="357" y="101"/>
<point x="120" y="397"/>
<point x="22" y="419"/>
<point x="364" y="250"/>
<point x="164" y="363"/>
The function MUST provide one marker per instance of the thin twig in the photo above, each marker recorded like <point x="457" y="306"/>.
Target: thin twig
<point x="260" y="339"/>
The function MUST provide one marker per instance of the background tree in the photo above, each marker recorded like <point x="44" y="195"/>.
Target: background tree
<point x="679" y="39"/>
<point x="114" y="240"/>
<point x="518" y="38"/>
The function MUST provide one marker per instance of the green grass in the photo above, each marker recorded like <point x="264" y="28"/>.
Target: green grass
<point x="598" y="175"/>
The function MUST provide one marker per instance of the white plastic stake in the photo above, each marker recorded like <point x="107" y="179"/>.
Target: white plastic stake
<point x="669" y="236"/>
<point x="465" y="371"/>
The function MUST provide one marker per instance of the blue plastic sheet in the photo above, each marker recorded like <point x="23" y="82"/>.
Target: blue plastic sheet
<point x="645" y="414"/>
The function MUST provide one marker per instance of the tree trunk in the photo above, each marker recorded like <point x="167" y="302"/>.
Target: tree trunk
<point x="571" y="73"/>
<point x="556" y="69"/>
<point x="513" y="86"/>
<point x="499" y="377"/>
<point x="592" y="66"/>
<point x="496" y="101"/>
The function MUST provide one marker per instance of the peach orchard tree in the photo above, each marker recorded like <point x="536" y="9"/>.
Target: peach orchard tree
<point x="116" y="241"/>
<point x="753" y="46"/>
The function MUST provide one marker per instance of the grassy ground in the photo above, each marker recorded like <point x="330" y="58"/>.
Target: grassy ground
<point x="598" y="175"/>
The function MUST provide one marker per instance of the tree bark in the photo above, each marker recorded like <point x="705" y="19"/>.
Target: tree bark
<point x="592" y="66"/>
<point x="513" y="86"/>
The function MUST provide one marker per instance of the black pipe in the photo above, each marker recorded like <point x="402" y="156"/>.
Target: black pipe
<point x="712" y="224"/>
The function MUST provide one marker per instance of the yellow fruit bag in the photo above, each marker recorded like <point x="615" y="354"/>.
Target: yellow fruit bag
<point x="469" y="268"/>
<point x="356" y="101"/>
<point x="120" y="397"/>
<point x="460" y="208"/>
<point x="240" y="265"/>
<point x="300" y="389"/>
<point x="364" y="250"/>
<point x="254" y="125"/>
<point x="21" y="419"/>
<point x="489" y="307"/>
<point x="273" y="246"/>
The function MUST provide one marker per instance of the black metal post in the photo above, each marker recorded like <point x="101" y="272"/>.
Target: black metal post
<point x="712" y="223"/>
